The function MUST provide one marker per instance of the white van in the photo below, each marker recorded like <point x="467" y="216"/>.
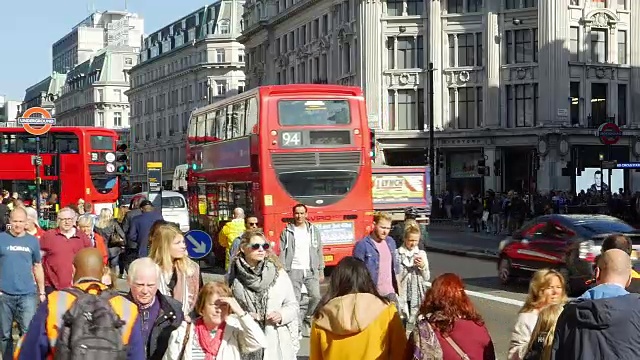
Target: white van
<point x="174" y="207"/>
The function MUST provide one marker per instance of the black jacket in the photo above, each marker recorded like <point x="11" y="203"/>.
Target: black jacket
<point x="599" y="329"/>
<point x="169" y="319"/>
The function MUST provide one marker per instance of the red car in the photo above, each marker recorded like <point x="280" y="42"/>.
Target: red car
<point x="567" y="243"/>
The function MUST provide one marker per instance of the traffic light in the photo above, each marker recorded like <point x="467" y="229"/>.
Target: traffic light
<point x="440" y="159"/>
<point x="372" y="136"/>
<point x="122" y="159"/>
<point x="482" y="167"/>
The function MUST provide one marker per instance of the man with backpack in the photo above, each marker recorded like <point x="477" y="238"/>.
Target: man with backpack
<point x="86" y="321"/>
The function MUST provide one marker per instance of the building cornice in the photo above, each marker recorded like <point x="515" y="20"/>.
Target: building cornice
<point x="195" y="68"/>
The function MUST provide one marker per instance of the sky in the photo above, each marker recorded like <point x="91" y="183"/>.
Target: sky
<point x="25" y="58"/>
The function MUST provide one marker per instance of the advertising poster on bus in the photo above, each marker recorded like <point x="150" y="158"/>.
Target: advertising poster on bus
<point x="396" y="188"/>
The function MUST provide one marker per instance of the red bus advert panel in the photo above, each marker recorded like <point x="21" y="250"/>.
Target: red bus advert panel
<point x="227" y="154"/>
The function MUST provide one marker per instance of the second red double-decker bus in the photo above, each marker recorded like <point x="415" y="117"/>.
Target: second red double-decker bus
<point x="74" y="161"/>
<point x="276" y="146"/>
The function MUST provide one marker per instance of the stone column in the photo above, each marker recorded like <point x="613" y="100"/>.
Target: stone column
<point x="435" y="43"/>
<point x="492" y="66"/>
<point x="553" y="59"/>
<point x="370" y="66"/>
<point x="634" y="38"/>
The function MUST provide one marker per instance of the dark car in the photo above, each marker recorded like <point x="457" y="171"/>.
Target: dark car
<point x="567" y="243"/>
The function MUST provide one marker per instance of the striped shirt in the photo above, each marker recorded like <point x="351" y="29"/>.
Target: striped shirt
<point x="196" y="350"/>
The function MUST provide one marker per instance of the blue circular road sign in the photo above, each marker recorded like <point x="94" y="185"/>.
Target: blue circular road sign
<point x="199" y="244"/>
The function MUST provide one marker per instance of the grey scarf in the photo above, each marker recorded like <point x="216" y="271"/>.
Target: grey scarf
<point x="250" y="286"/>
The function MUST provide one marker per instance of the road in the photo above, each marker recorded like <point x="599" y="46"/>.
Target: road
<point x="498" y="305"/>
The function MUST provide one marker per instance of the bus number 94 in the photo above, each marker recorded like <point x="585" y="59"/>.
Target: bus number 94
<point x="291" y="138"/>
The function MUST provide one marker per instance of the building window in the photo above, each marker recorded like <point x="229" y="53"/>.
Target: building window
<point x="522" y="105"/>
<point x="598" y="104"/>
<point x="117" y="119"/>
<point x="574" y="44"/>
<point x="574" y="2"/>
<point x="346" y="59"/>
<point x="474" y="5"/>
<point x="479" y="49"/>
<point x="574" y="93"/>
<point x="409" y="52"/>
<point x="117" y="94"/>
<point x="221" y="87"/>
<point x="466" y="51"/>
<point x="622" y="4"/>
<point x="599" y="46"/>
<point x="220" y="55"/>
<point x="622" y="47"/>
<point x="622" y="104"/>
<point x="224" y="27"/>
<point x="455" y="6"/>
<point x="395" y="7"/>
<point x="520" y="4"/>
<point x="522" y="46"/>
<point x="100" y="119"/>
<point x="415" y="7"/>
<point x="406" y="109"/>
<point x="100" y="95"/>
<point x="466" y="113"/>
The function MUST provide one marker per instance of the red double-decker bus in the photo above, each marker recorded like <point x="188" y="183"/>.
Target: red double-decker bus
<point x="73" y="166"/>
<point x="272" y="147"/>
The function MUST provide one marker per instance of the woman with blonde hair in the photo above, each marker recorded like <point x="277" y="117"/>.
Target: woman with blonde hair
<point x="180" y="277"/>
<point x="413" y="274"/>
<point x="542" y="337"/>
<point x="112" y="234"/>
<point x="264" y="290"/>
<point x="547" y="287"/>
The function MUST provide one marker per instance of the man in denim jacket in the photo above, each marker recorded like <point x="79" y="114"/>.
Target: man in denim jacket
<point x="378" y="251"/>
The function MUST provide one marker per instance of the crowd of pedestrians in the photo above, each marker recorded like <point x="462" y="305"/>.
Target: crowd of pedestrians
<point x="58" y="284"/>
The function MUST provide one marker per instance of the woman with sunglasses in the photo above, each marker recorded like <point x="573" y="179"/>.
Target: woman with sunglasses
<point x="264" y="290"/>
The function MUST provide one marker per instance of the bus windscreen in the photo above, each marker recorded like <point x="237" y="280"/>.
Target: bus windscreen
<point x="313" y="112"/>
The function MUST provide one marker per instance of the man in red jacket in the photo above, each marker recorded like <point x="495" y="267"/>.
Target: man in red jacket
<point x="59" y="246"/>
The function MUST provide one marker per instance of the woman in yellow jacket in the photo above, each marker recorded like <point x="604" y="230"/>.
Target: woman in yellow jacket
<point x="353" y="321"/>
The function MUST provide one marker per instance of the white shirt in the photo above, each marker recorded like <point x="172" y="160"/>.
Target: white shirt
<point x="301" y="256"/>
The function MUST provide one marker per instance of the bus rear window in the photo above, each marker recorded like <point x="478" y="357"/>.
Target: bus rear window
<point x="101" y="143"/>
<point x="313" y="112"/>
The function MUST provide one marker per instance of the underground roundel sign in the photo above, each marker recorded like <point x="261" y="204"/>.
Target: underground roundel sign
<point x="609" y="133"/>
<point x="36" y="125"/>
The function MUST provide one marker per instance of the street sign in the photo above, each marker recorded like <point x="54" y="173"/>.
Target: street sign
<point x="45" y="122"/>
<point x="199" y="244"/>
<point x="111" y="168"/>
<point x="154" y="176"/>
<point x="633" y="165"/>
<point x="609" y="133"/>
<point x="110" y="157"/>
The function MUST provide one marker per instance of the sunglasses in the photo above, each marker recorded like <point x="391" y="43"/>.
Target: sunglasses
<point x="265" y="246"/>
<point x="252" y="224"/>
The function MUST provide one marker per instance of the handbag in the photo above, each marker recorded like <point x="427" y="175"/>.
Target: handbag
<point x="457" y="348"/>
<point x="185" y="341"/>
<point x="115" y="240"/>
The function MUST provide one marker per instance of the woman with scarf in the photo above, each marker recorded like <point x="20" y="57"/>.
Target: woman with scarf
<point x="264" y="290"/>
<point x="413" y="275"/>
<point x="222" y="331"/>
<point x="180" y="277"/>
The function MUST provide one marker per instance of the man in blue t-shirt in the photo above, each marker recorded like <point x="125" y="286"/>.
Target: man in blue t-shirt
<point x="20" y="263"/>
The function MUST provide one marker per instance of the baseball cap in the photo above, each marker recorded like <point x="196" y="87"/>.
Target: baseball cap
<point x="145" y="202"/>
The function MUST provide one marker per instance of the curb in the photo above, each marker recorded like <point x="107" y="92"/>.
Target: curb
<point x="476" y="253"/>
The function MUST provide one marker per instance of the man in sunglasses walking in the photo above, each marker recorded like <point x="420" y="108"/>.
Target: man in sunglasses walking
<point x="301" y="256"/>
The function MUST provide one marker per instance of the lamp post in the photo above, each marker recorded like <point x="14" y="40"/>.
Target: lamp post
<point x="432" y="147"/>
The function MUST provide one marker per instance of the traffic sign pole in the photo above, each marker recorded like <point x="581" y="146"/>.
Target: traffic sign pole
<point x="46" y="122"/>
